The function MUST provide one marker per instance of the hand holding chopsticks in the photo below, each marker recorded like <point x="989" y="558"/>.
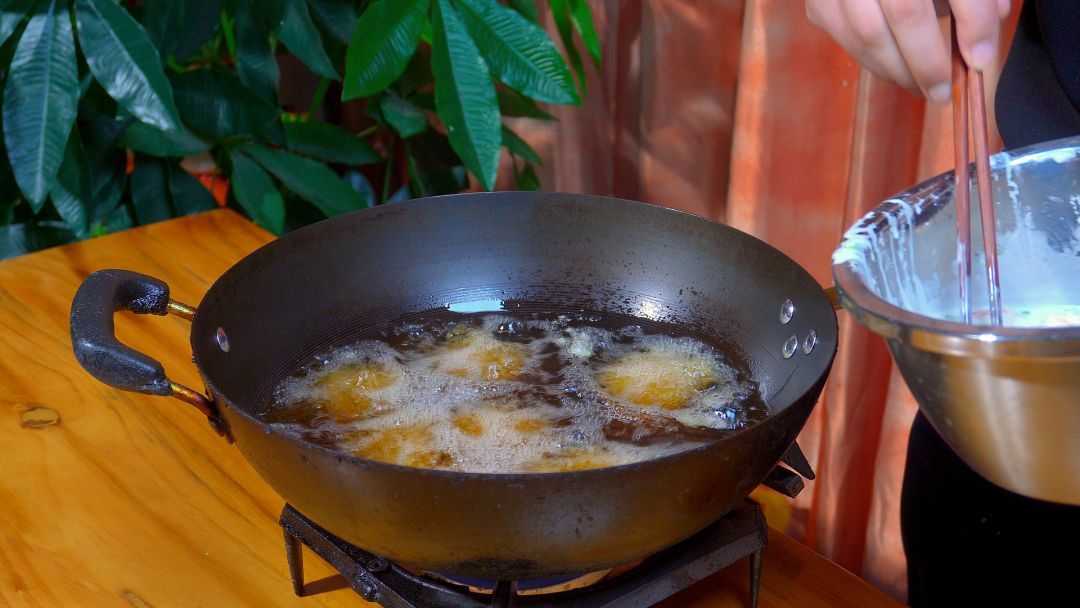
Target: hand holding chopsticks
<point x="902" y="41"/>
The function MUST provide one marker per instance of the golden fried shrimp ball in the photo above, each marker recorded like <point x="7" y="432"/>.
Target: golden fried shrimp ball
<point x="468" y="424"/>
<point x="488" y="359"/>
<point x="347" y="389"/>
<point x="429" y="459"/>
<point x="397" y="445"/>
<point x="530" y="426"/>
<point x="657" y="379"/>
<point x="571" y="459"/>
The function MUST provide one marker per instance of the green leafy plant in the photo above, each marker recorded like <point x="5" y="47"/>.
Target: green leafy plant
<point x="107" y="106"/>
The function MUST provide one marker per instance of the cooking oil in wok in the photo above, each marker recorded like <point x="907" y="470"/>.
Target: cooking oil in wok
<point x="507" y="393"/>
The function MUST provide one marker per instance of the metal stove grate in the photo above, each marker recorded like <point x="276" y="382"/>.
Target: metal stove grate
<point x="741" y="533"/>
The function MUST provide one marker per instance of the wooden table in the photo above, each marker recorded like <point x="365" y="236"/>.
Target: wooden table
<point x="131" y="500"/>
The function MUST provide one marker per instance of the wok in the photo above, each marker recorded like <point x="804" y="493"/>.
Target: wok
<point x="325" y="284"/>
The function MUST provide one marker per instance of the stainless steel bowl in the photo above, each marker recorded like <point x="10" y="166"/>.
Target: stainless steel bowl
<point x="1006" y="399"/>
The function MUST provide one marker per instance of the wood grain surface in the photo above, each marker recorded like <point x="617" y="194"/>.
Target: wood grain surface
<point x="129" y="500"/>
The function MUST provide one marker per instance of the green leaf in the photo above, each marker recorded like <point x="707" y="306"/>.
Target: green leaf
<point x="188" y="195"/>
<point x="518" y="146"/>
<point x="72" y="193"/>
<point x="108" y="189"/>
<point x="527" y="8"/>
<point x="18" y="239"/>
<point x="328" y="142"/>
<point x="292" y="23"/>
<point x="560" y="13"/>
<point x="40" y="100"/>
<point x="13" y="241"/>
<point x="404" y="193"/>
<point x="319" y="96"/>
<point x="465" y="96"/>
<point x="434" y="168"/>
<point x="358" y="182"/>
<point x="309" y="179"/>
<point x="180" y="27"/>
<point x="108" y="163"/>
<point x="7" y="50"/>
<point x="426" y="33"/>
<point x="337" y="17"/>
<point x="255" y="192"/>
<point x="256" y="64"/>
<point x="385" y="38"/>
<point x="124" y="61"/>
<point x="406" y="118"/>
<point x="11" y="14"/>
<point x="518" y="52"/>
<point x="119" y="219"/>
<point x="150" y="190"/>
<point x="228" y="31"/>
<point x="214" y="101"/>
<point x="512" y="103"/>
<point x="526" y="179"/>
<point x="435" y="181"/>
<point x="299" y="214"/>
<point x="143" y="138"/>
<point x="581" y="15"/>
<point x="162" y="19"/>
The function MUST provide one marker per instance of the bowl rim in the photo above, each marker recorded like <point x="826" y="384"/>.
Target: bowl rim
<point x="940" y="335"/>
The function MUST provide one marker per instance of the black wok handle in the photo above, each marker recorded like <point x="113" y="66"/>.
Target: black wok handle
<point x="96" y="348"/>
<point x="786" y="481"/>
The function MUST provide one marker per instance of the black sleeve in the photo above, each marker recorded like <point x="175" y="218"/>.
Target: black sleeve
<point x="1038" y="96"/>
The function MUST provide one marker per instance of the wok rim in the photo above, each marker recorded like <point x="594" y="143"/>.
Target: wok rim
<point x="220" y="398"/>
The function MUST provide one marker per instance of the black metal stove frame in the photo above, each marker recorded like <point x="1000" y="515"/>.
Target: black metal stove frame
<point x="739" y="534"/>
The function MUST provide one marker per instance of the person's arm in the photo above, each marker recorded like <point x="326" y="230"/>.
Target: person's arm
<point x="901" y="40"/>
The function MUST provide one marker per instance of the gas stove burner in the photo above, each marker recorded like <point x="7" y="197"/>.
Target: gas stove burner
<point x="533" y="586"/>
<point x="741" y="533"/>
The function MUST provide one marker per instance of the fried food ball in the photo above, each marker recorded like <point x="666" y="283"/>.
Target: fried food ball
<point x="483" y="357"/>
<point x="571" y="459"/>
<point x="468" y="424"/>
<point x="430" y="459"/>
<point x="397" y="445"/>
<point x="529" y="426"/>
<point x="348" y="389"/>
<point x="501" y="362"/>
<point x="657" y="379"/>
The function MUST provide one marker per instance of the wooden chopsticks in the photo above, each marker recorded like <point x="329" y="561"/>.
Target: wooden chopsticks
<point x="968" y="93"/>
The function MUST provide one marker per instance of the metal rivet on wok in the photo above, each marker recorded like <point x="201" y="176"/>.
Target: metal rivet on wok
<point x="809" y="342"/>
<point x="367" y="591"/>
<point x="790" y="346"/>
<point x="787" y="310"/>
<point x="222" y="339"/>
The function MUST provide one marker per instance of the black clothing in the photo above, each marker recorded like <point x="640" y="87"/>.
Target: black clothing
<point x="1038" y="96"/>
<point x="970" y="543"/>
